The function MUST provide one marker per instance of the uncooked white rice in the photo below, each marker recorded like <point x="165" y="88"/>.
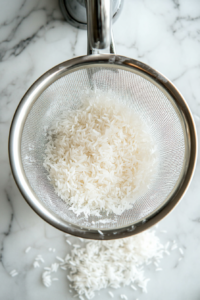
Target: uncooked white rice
<point x="39" y="258"/>
<point x="122" y="296"/>
<point x="13" y="273"/>
<point x="100" y="157"/>
<point x="111" y="294"/>
<point x="27" y="249"/>
<point x="36" y="264"/>
<point x="107" y="264"/>
<point x="60" y="259"/>
<point x="103" y="264"/>
<point x="181" y="251"/>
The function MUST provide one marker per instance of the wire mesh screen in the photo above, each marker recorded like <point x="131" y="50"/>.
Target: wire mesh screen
<point x="159" y="112"/>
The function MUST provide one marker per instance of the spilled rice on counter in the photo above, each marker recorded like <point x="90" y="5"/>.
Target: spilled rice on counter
<point x="94" y="265"/>
<point x="100" y="156"/>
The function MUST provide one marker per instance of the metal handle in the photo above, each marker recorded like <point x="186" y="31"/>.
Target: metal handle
<point x="99" y="26"/>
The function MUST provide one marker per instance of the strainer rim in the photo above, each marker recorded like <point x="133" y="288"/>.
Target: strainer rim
<point x="32" y="95"/>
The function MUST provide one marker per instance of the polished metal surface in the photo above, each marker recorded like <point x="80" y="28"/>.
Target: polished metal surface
<point x="99" y="32"/>
<point x="74" y="11"/>
<point x="114" y="62"/>
<point x="99" y="24"/>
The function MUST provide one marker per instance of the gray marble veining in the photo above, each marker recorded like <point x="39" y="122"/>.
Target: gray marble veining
<point x="33" y="38"/>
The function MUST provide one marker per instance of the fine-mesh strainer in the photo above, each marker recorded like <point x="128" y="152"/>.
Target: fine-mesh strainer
<point x="142" y="88"/>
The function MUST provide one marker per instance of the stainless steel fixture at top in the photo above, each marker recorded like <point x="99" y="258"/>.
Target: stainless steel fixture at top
<point x="75" y="12"/>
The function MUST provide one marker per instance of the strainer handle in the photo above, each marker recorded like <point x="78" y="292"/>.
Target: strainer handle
<point x="100" y="38"/>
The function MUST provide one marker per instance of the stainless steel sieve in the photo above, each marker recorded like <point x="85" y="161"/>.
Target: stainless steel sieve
<point x="142" y="88"/>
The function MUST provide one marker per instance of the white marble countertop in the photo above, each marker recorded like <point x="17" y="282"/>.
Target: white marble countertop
<point x="33" y="38"/>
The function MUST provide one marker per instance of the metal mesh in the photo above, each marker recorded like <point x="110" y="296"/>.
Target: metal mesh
<point x="154" y="105"/>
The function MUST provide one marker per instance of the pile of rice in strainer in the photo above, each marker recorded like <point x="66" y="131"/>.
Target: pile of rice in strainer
<point x="100" y="156"/>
